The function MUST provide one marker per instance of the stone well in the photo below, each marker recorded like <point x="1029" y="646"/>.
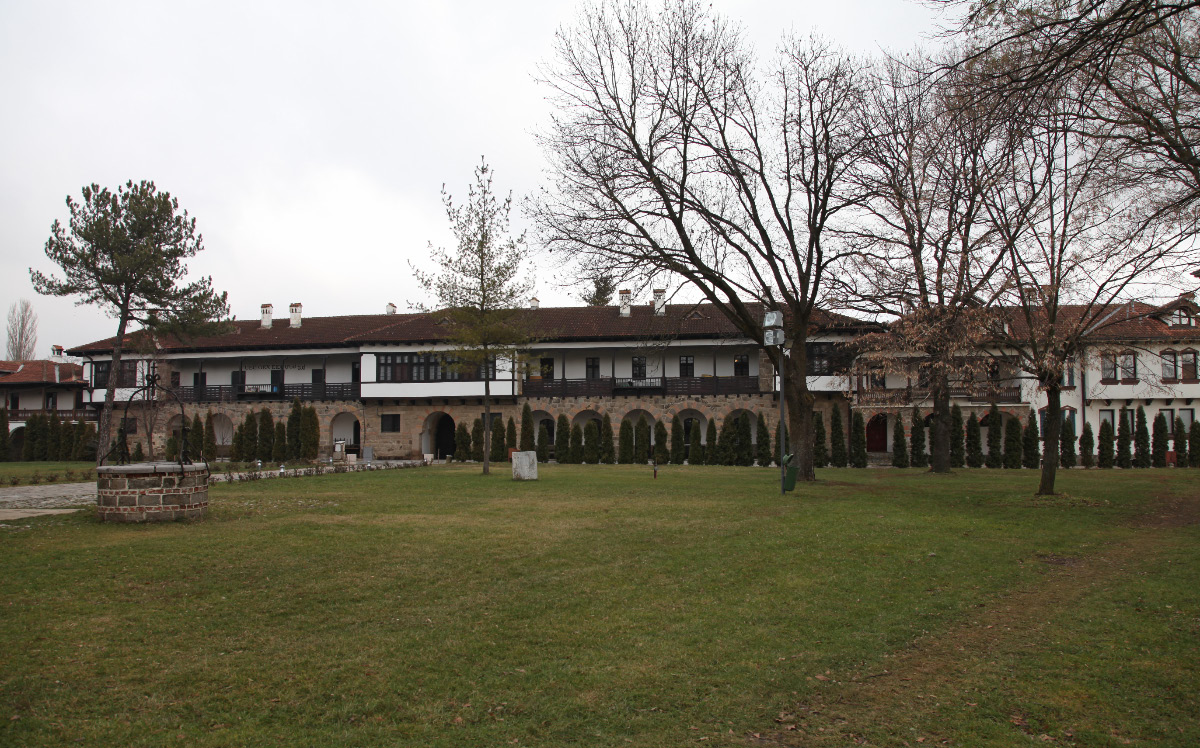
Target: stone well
<point x="151" y="492"/>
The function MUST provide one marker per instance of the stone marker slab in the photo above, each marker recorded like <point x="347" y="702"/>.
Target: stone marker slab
<point x="524" y="465"/>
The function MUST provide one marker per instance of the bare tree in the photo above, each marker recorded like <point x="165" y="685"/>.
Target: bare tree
<point x="22" y="331"/>
<point x="675" y="155"/>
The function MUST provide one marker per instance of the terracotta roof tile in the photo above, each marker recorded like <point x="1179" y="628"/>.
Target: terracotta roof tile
<point x="39" y="372"/>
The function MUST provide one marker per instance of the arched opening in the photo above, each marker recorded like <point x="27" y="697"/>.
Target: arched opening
<point x="542" y="418"/>
<point x="584" y="417"/>
<point x="175" y="426"/>
<point x="437" y="437"/>
<point x="636" y="415"/>
<point x="692" y="419"/>
<point x="223" y="432"/>
<point x="751" y="418"/>
<point x="345" y="426"/>
<point x="877" y="433"/>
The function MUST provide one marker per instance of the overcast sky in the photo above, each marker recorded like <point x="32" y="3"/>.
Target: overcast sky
<point x="309" y="140"/>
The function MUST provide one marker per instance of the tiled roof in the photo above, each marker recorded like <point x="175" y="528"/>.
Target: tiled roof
<point x="548" y="323"/>
<point x="1135" y="321"/>
<point x="39" y="372"/>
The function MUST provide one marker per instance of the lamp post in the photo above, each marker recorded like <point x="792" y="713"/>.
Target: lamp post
<point x="773" y="336"/>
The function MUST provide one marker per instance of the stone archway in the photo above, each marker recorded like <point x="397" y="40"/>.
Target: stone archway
<point x="345" y="425"/>
<point x="877" y="433"/>
<point x="437" y="435"/>
<point x="543" y="418"/>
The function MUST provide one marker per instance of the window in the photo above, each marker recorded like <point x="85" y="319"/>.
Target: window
<point x="1187" y="365"/>
<point x="128" y="376"/>
<point x="593" y="368"/>
<point x="1168" y="415"/>
<point x="1127" y="419"/>
<point x="1170" y="365"/>
<point x="100" y="374"/>
<point x="237" y="379"/>
<point x="1068" y="416"/>
<point x="1108" y="367"/>
<point x="1068" y="375"/>
<point x="1107" y="416"/>
<point x="79" y="400"/>
<point x="51" y="401"/>
<point x="200" y="378"/>
<point x="276" y="380"/>
<point x="1128" y="365"/>
<point x="318" y="376"/>
<point x="741" y="365"/>
<point x="639" y="367"/>
<point x="687" y="366"/>
<point x="820" y="359"/>
<point x="877" y="378"/>
<point x="1187" y="415"/>
<point x="389" y="423"/>
<point x="418" y="367"/>
<point x="14" y="401"/>
<point x="547" y="368"/>
<point x="1180" y="317"/>
<point x="355" y="371"/>
<point x="175" y="380"/>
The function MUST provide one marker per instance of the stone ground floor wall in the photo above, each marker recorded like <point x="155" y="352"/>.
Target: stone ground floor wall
<point x="414" y="424"/>
<point x="888" y="413"/>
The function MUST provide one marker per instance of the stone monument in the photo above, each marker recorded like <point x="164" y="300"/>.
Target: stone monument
<point x="524" y="465"/>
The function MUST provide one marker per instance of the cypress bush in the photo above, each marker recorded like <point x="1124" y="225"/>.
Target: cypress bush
<point x="958" y="452"/>
<point x="1030" y="442"/>
<point x="607" y="453"/>
<point x="510" y="436"/>
<point x="462" y="442"/>
<point x="695" y="455"/>
<point x="1181" y="444"/>
<point x="1158" y="449"/>
<point x="1141" y="441"/>
<point x="5" y="441"/>
<point x="235" y="448"/>
<point x="837" y="438"/>
<point x="1104" y="446"/>
<point x="1014" y="449"/>
<point x="562" y="439"/>
<point x="625" y="450"/>
<point x="662" y="450"/>
<point x="820" y="447"/>
<point x="210" y="438"/>
<point x="641" y="442"/>
<point x="249" y="437"/>
<point x="576" y="448"/>
<point x="974" y="443"/>
<point x="710" y="443"/>
<point x="899" y="443"/>
<point x="591" y="443"/>
<point x="28" y="439"/>
<point x="279" y="447"/>
<point x="498" y="451"/>
<point x="310" y="434"/>
<point x="1066" y="445"/>
<point x="1194" y="445"/>
<point x="196" y="440"/>
<point x="543" y="443"/>
<point x="858" y="441"/>
<point x="919" y="458"/>
<point x="1124" y="442"/>
<point x="138" y="455"/>
<point x="477" y="440"/>
<point x="678" y="448"/>
<point x="726" y="447"/>
<point x="763" y="442"/>
<point x="745" y="441"/>
<point x="66" y="442"/>
<point x="54" y="437"/>
<point x="527" y="444"/>
<point x="266" y="435"/>
<point x="172" y="448"/>
<point x="295" y="423"/>
<point x="85" y="446"/>
<point x="995" y="455"/>
<point x="1087" y="446"/>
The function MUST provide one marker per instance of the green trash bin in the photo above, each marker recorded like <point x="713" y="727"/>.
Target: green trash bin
<point x="789" y="473"/>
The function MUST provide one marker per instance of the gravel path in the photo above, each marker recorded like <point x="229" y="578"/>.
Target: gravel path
<point x="48" y="496"/>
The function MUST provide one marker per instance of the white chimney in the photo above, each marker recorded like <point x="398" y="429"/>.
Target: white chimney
<point x="533" y="303"/>
<point x="266" y="315"/>
<point x="56" y="352"/>
<point x="660" y="302"/>
<point x="390" y="308"/>
<point x="296" y="312"/>
<point x="624" y="303"/>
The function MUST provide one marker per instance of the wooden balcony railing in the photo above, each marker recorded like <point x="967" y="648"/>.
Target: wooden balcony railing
<point x="24" y="414"/>
<point x="741" y="385"/>
<point x="226" y="393"/>
<point x="904" y="395"/>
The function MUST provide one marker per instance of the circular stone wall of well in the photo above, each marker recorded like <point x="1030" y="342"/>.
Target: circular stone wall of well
<point x="151" y="492"/>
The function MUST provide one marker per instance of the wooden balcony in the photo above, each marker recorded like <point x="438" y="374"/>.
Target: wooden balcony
<point x="24" y="414"/>
<point x="607" y="387"/>
<point x="226" y="393"/>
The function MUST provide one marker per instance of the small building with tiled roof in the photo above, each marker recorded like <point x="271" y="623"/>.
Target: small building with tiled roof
<point x="43" y="387"/>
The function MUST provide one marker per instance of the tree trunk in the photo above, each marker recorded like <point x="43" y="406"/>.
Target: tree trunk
<point x="105" y="430"/>
<point x="800" y="411"/>
<point x="487" y="415"/>
<point x="939" y="433"/>
<point x="1053" y="427"/>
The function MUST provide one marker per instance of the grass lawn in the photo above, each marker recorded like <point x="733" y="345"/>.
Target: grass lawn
<point x="600" y="607"/>
<point x="26" y="470"/>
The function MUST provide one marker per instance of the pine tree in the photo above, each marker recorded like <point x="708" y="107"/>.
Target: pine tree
<point x="1181" y="444"/>
<point x="310" y="434"/>
<point x="820" y="443"/>
<point x="1066" y="445"/>
<point x="837" y="438"/>
<point x="1158" y="449"/>
<point x="5" y="440"/>
<point x="53" y="437"/>
<point x="210" y="439"/>
<point x="294" y="421"/>
<point x="608" y="454"/>
<point x="641" y="442"/>
<point x="711" y="453"/>
<point x="858" y="441"/>
<point x="576" y="447"/>
<point x="919" y="457"/>
<point x="1141" y="441"/>
<point x="1194" y="445"/>
<point x="477" y="440"/>
<point x="1124" y="440"/>
<point x="279" y="446"/>
<point x="974" y="443"/>
<point x="745" y="441"/>
<point x="526" y="429"/>
<point x="249" y="437"/>
<point x="625" y="452"/>
<point x="172" y="448"/>
<point x="662" y="452"/>
<point x="899" y="443"/>
<point x="591" y="443"/>
<point x="958" y="452"/>
<point x="510" y="436"/>
<point x="235" y="447"/>
<point x="1087" y="446"/>
<point x="27" y="440"/>
<point x="677" y="446"/>
<point x="196" y="439"/>
<point x="138" y="455"/>
<point x="1014" y="449"/>
<point x="462" y="442"/>
<point x="995" y="427"/>
<point x="763" y="442"/>
<point x="543" y="443"/>
<point x="266" y="435"/>
<point x="498" y="450"/>
<point x="562" y="440"/>
<point x="726" y="449"/>
<point x="695" y="455"/>
<point x="1031" y="456"/>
